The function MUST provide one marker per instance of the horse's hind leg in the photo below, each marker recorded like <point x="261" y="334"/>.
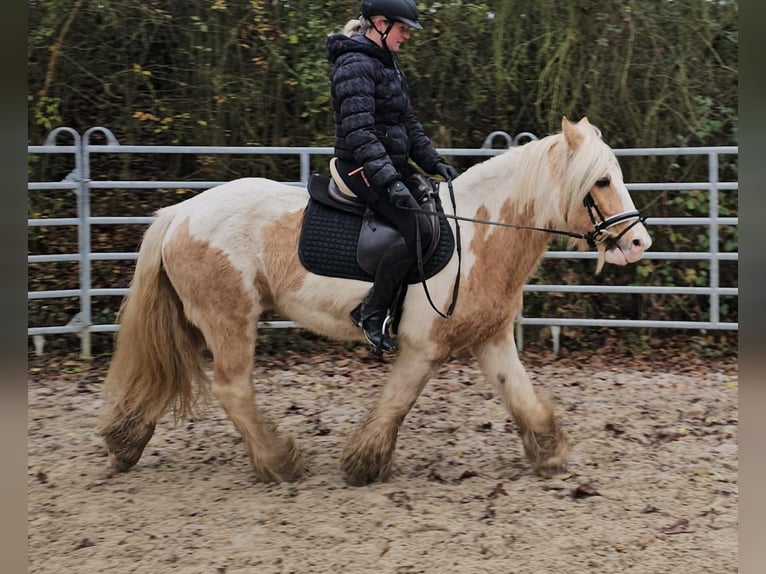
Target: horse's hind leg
<point x="225" y="308"/>
<point x="545" y="443"/>
<point x="368" y="454"/>
<point x="274" y="458"/>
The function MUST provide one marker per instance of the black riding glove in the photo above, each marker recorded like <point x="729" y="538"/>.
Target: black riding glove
<point x="445" y="170"/>
<point x="399" y="195"/>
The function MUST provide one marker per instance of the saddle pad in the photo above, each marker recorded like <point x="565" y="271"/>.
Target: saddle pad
<point x="328" y="245"/>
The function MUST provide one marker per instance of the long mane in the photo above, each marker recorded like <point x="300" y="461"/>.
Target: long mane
<point x="544" y="177"/>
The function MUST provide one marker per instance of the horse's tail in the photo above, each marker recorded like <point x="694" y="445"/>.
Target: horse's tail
<point x="158" y="352"/>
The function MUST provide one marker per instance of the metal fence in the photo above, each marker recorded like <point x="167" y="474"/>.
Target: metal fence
<point x="79" y="181"/>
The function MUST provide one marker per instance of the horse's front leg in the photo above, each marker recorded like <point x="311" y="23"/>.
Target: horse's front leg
<point x="368" y="454"/>
<point x="545" y="442"/>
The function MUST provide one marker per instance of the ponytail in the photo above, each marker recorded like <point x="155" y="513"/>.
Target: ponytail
<point x="352" y="27"/>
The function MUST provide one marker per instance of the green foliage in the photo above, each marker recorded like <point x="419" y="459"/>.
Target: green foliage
<point x="255" y="72"/>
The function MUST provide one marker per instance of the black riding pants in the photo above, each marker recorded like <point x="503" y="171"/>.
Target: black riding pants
<point x="401" y="257"/>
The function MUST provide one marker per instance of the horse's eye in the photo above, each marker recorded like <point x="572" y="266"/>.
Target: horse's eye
<point x="603" y="182"/>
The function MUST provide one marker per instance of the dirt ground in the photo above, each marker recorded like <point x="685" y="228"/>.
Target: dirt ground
<point x="654" y="488"/>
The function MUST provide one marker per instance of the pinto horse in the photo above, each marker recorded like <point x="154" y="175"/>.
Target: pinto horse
<point x="210" y="266"/>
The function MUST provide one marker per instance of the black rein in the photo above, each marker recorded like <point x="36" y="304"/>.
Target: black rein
<point x="600" y="233"/>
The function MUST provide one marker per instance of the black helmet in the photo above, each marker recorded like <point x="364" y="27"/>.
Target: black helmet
<point x="403" y="11"/>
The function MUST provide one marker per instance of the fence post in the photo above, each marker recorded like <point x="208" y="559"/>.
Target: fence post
<point x="305" y="161"/>
<point x="713" y="247"/>
<point x="81" y="321"/>
<point x="83" y="213"/>
<point x="83" y="241"/>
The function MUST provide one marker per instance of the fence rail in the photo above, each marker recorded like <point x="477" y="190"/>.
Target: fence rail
<point x="79" y="181"/>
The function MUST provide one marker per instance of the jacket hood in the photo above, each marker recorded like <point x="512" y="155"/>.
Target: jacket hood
<point x="339" y="44"/>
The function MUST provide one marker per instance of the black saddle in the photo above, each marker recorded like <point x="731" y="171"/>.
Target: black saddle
<point x="342" y="237"/>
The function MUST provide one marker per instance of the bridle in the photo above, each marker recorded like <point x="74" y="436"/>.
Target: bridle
<point x="599" y="234"/>
<point x="601" y="225"/>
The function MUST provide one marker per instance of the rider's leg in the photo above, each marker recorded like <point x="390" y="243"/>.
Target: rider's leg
<point x="393" y="268"/>
<point x="371" y="313"/>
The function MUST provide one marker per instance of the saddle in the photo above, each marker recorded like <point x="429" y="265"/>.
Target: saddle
<point x="342" y="237"/>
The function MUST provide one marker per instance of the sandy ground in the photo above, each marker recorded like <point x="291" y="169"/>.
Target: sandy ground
<point x="654" y="488"/>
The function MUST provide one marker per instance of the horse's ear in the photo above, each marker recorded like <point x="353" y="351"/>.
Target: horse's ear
<point x="571" y="132"/>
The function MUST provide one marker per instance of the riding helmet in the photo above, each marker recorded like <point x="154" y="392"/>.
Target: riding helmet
<point x="403" y="11"/>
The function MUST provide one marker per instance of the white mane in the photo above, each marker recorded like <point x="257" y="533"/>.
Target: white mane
<point x="545" y="177"/>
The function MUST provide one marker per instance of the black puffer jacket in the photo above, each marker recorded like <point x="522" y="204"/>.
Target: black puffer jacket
<point x="375" y="126"/>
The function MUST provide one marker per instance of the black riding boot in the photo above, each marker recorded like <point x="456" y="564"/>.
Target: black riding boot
<point x="372" y="325"/>
<point x="371" y="313"/>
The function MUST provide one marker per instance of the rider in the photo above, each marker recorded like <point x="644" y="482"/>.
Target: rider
<point x="377" y="134"/>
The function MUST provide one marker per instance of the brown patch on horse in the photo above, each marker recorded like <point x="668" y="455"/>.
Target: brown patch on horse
<point x="226" y="319"/>
<point x="491" y="295"/>
<point x="283" y="267"/>
<point x="609" y="202"/>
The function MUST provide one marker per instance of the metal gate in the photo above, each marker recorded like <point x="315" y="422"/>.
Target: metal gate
<point x="79" y="181"/>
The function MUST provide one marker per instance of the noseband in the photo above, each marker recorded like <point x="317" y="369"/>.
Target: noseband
<point x="601" y="225"/>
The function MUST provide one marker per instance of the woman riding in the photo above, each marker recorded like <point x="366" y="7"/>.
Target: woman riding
<point x="377" y="135"/>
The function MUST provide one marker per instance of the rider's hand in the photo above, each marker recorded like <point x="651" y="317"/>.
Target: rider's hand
<point x="399" y="195"/>
<point x="445" y="170"/>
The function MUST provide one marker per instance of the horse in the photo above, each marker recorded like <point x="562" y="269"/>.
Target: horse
<point x="210" y="266"/>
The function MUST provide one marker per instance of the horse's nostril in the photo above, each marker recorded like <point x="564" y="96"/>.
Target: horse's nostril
<point x="636" y="243"/>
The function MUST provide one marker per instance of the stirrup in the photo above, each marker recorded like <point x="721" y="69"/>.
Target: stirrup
<point x="384" y="327"/>
<point x="385" y="344"/>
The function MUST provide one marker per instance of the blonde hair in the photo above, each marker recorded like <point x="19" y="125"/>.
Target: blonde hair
<point x="360" y="25"/>
<point x="352" y="26"/>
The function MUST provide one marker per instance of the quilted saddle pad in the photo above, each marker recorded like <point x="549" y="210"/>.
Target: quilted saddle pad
<point x="329" y="238"/>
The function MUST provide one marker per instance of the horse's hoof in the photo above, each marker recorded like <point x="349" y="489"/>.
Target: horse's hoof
<point x="281" y="476"/>
<point x="286" y="464"/>
<point x="557" y="472"/>
<point x="295" y="473"/>
<point x="360" y="480"/>
<point x="125" y="443"/>
<point x="361" y="475"/>
<point x="120" y="465"/>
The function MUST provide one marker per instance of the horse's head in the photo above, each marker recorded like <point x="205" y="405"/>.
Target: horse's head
<point x="599" y="205"/>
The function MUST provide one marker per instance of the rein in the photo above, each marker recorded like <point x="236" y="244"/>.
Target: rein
<point x="458" y="249"/>
<point x="599" y="234"/>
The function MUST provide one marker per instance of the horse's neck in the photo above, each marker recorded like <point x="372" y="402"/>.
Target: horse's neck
<point x="507" y="188"/>
<point x="503" y="256"/>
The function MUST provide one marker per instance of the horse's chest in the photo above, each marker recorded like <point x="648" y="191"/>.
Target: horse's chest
<point x="469" y="329"/>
